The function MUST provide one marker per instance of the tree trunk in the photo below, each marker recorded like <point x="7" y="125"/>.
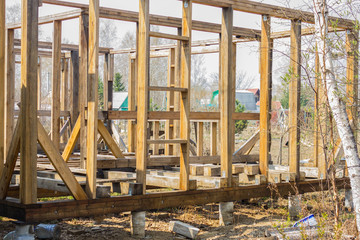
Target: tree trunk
<point x="337" y="106"/>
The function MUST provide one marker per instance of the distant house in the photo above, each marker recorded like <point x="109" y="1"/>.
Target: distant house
<point x="256" y="92"/>
<point x="245" y="98"/>
<point x="120" y="101"/>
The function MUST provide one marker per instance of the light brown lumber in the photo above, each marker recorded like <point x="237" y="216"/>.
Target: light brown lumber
<point x="167" y="141"/>
<point x="55" y="87"/>
<point x="265" y="93"/>
<point x="213" y="138"/>
<point x="168" y="36"/>
<point x="83" y="82"/>
<point x="74" y="86"/>
<point x="131" y="104"/>
<point x="2" y="83"/>
<point x="142" y="93"/>
<point x="70" y="145"/>
<point x="317" y="106"/>
<point x="212" y="171"/>
<point x="170" y="96"/>
<point x="156" y="129"/>
<point x="10" y="89"/>
<point x="64" y="94"/>
<point x="39" y="83"/>
<point x="157" y="88"/>
<point x="92" y="106"/>
<point x="249" y="144"/>
<point x="28" y="118"/>
<point x="185" y="82"/>
<point x="167" y="182"/>
<point x="110" y="142"/>
<point x="294" y="97"/>
<point x="200" y="138"/>
<point x="11" y="157"/>
<point x="60" y="165"/>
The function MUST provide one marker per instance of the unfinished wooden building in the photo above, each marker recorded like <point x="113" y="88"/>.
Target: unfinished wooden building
<point x="194" y="179"/>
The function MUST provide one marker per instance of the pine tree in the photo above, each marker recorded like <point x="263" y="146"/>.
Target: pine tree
<point x="118" y="84"/>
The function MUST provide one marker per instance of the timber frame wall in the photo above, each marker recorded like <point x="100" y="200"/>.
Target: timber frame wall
<point x="82" y="63"/>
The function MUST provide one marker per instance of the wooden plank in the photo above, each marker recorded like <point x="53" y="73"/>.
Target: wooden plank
<point x="109" y="92"/>
<point x="83" y="82"/>
<point x="249" y="144"/>
<point x="169" y="115"/>
<point x="55" y="86"/>
<point x="167" y="182"/>
<point x="170" y="95"/>
<point x="167" y="141"/>
<point x="2" y="84"/>
<point x="177" y="65"/>
<point x="142" y="93"/>
<point x="168" y="36"/>
<point x="11" y="158"/>
<point x="74" y="86"/>
<point x="70" y="145"/>
<point x="92" y="106"/>
<point x="60" y="165"/>
<point x="265" y="93"/>
<point x="110" y="142"/>
<point x="28" y="118"/>
<point x="294" y="97"/>
<point x="10" y="88"/>
<point x="200" y="139"/>
<point x="156" y="88"/>
<point x="213" y="138"/>
<point x="154" y="201"/>
<point x="131" y="104"/>
<point x="226" y="101"/>
<point x="105" y="80"/>
<point x="317" y="106"/>
<point x="156" y="129"/>
<point x="185" y="79"/>
<point x="64" y="94"/>
<point x="39" y="84"/>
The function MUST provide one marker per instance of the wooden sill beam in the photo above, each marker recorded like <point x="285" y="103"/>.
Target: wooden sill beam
<point x="168" y="36"/>
<point x="176" y="89"/>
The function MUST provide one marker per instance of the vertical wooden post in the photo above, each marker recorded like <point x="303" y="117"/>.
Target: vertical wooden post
<point x="294" y="98"/>
<point x="10" y="88"/>
<point x="74" y="86"/>
<point x="39" y="84"/>
<point x="109" y="92"/>
<point x="28" y="110"/>
<point x="200" y="138"/>
<point x="131" y="104"/>
<point x="105" y="79"/>
<point x="213" y="137"/>
<point x="156" y="130"/>
<point x="92" y="113"/>
<point x="56" y="80"/>
<point x="176" y="133"/>
<point x="143" y="93"/>
<point x="352" y="71"/>
<point x="2" y="84"/>
<point x="83" y="83"/>
<point x="265" y="93"/>
<point x="185" y="78"/>
<point x="317" y="106"/>
<point x="64" y="91"/>
<point x="169" y="124"/>
<point x="227" y="105"/>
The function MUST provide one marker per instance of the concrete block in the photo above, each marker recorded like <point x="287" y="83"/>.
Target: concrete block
<point x="184" y="229"/>
<point x="137" y="224"/>
<point x="226" y="210"/>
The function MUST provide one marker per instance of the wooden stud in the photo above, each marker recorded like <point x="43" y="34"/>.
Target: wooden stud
<point x="200" y="138"/>
<point x="294" y="98"/>
<point x="28" y="114"/>
<point x="156" y="130"/>
<point x="109" y="92"/>
<point x="11" y="158"/>
<point x="56" y="80"/>
<point x="109" y="140"/>
<point x="131" y="104"/>
<point x="83" y="82"/>
<point x="213" y="137"/>
<point x="10" y="88"/>
<point x="62" y="169"/>
<point x="227" y="105"/>
<point x="169" y="124"/>
<point x="316" y="111"/>
<point x="142" y="93"/>
<point x="265" y="93"/>
<point x="64" y="93"/>
<point x="74" y="136"/>
<point x="105" y="80"/>
<point x="74" y="86"/>
<point x="177" y="94"/>
<point x="2" y="84"/>
<point x="92" y="107"/>
<point x="185" y="76"/>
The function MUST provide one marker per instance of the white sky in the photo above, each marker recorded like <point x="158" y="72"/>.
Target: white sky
<point x="247" y="53"/>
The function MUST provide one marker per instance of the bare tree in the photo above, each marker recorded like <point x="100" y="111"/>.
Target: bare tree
<point x="337" y="105"/>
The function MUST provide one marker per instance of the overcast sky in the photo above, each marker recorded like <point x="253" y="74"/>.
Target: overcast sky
<point x="247" y="53"/>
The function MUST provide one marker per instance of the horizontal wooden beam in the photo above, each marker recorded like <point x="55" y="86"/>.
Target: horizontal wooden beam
<point x="165" y="115"/>
<point x="73" y="209"/>
<point x="46" y="113"/>
<point x="116" y="14"/>
<point x="168" y="36"/>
